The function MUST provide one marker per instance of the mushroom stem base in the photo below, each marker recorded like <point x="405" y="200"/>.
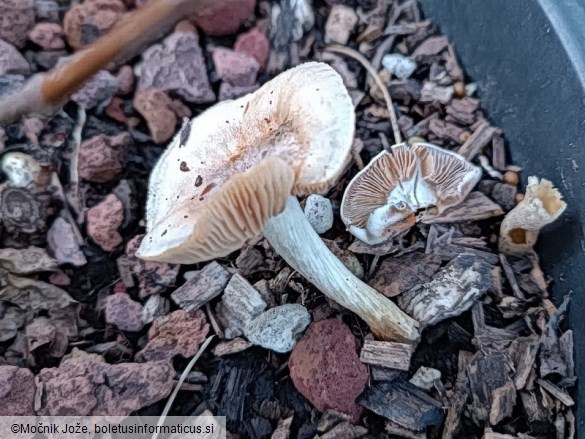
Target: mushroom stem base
<point x="291" y="235"/>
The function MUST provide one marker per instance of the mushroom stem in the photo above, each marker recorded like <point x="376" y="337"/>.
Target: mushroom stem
<point x="291" y="235"/>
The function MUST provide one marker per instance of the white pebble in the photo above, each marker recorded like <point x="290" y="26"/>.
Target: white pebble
<point x="20" y="169"/>
<point x="399" y="65"/>
<point x="319" y="212"/>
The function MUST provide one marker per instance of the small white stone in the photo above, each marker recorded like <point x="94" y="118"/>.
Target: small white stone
<point x="340" y="23"/>
<point x="399" y="65"/>
<point x="278" y="328"/>
<point x="155" y="306"/>
<point x="425" y="377"/>
<point x="319" y="212"/>
<point x="20" y="169"/>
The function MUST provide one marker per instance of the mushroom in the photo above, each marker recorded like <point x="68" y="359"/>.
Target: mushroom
<point x="542" y="204"/>
<point x="381" y="201"/>
<point x="233" y="173"/>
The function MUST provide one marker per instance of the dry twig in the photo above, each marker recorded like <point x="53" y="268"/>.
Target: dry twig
<point x="372" y="71"/>
<point x="45" y="93"/>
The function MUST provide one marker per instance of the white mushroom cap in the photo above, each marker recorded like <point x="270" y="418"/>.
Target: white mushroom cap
<point x="381" y="201"/>
<point x="303" y="119"/>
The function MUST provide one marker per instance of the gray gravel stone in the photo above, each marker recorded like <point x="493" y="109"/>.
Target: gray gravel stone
<point x="278" y="328"/>
<point x="319" y="212"/>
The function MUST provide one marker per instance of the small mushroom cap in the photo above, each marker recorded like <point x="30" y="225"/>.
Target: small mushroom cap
<point x="381" y="200"/>
<point x="237" y="212"/>
<point x="304" y="117"/>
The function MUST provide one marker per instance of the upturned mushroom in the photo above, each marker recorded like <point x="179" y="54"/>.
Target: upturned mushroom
<point x="542" y="204"/>
<point x="233" y="173"/>
<point x="382" y="200"/>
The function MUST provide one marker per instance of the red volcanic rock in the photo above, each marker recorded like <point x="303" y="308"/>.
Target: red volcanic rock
<point x="103" y="222"/>
<point x="256" y="44"/>
<point x="325" y="367"/>
<point x="178" y="333"/>
<point x="224" y="17"/>
<point x="101" y="158"/>
<point x="123" y="312"/>
<point x="17" y="391"/>
<point x="85" y="385"/>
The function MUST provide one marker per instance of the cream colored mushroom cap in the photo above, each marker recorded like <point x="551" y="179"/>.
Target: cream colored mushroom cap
<point x="303" y="119"/>
<point x="381" y="200"/>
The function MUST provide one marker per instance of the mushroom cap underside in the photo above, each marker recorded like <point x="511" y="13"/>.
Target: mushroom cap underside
<point x="236" y="213"/>
<point x="381" y="200"/>
<point x="304" y="116"/>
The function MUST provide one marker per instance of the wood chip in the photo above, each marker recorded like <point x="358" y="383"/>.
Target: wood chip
<point x="203" y="286"/>
<point x="452" y="291"/>
<point x="441" y="244"/>
<point x="398" y="274"/>
<point x="430" y="48"/>
<point x="533" y="407"/>
<point x="566" y="347"/>
<point x="487" y="374"/>
<point x="498" y="153"/>
<point x="387" y="354"/>
<point x="402" y="403"/>
<point x="282" y="429"/>
<point x="477" y="141"/>
<point x="383" y="249"/>
<point x="523" y="353"/>
<point x="556" y="391"/>
<point x="511" y="277"/>
<point x="503" y="402"/>
<point x="459" y="397"/>
<point x="231" y="347"/>
<point x="475" y="207"/>
<point x="397" y="430"/>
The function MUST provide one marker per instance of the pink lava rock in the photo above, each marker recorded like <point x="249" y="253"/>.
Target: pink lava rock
<point x="125" y="77"/>
<point x="154" y="105"/>
<point x="86" y="22"/>
<point x="325" y="367"/>
<point x="85" y="385"/>
<point x="63" y="244"/>
<point x="153" y="277"/>
<point x="179" y="333"/>
<point x="101" y="158"/>
<point x="17" y="18"/>
<point x="17" y="391"/>
<point x="237" y="68"/>
<point x="103" y="221"/>
<point x="256" y="44"/>
<point x="185" y="26"/>
<point x="48" y="36"/>
<point x="176" y="65"/>
<point x="123" y="312"/>
<point x="224" y="17"/>
<point x="11" y="61"/>
<point x="114" y="110"/>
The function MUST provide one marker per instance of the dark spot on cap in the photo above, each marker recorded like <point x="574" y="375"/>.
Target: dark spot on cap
<point x="163" y="233"/>
<point x="185" y="216"/>
<point x="183" y="167"/>
<point x="201" y="198"/>
<point x="207" y="189"/>
<point x="198" y="181"/>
